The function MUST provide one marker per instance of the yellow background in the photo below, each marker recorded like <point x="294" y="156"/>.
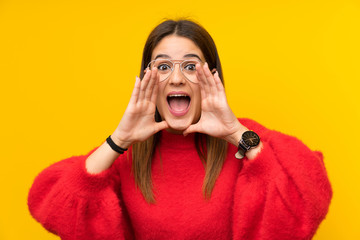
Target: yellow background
<point x="67" y="69"/>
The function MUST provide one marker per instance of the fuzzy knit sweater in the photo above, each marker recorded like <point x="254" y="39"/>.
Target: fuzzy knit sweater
<point x="284" y="193"/>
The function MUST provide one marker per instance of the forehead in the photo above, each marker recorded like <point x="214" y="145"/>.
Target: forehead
<point x="176" y="47"/>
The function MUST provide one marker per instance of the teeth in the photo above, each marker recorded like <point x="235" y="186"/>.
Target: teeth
<point x="178" y="95"/>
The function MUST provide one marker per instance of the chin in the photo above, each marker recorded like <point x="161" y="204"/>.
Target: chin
<point x="178" y="125"/>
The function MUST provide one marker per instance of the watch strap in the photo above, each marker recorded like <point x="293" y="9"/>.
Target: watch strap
<point x="240" y="154"/>
<point x="115" y="147"/>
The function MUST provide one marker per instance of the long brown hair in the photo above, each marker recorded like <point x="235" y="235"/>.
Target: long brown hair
<point x="214" y="153"/>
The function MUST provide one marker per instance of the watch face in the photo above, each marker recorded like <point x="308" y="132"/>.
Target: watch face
<point x="251" y="138"/>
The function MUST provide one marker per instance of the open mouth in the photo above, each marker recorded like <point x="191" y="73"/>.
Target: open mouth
<point x="178" y="103"/>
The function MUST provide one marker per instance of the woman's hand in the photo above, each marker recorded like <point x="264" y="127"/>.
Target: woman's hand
<point x="138" y="123"/>
<point x="216" y="119"/>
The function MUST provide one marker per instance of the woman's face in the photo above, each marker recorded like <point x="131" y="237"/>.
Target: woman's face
<point x="178" y="100"/>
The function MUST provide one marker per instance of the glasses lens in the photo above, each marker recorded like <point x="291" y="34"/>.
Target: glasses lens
<point x="188" y="68"/>
<point x="164" y="68"/>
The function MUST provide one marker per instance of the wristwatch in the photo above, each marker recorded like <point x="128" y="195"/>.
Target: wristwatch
<point x="249" y="139"/>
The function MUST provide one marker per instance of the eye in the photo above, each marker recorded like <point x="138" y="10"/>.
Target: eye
<point x="164" y="66"/>
<point x="190" y="66"/>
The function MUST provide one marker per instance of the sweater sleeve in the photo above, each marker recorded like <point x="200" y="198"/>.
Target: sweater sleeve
<point x="284" y="193"/>
<point x="74" y="204"/>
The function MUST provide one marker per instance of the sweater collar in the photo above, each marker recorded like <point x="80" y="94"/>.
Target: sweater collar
<point x="177" y="141"/>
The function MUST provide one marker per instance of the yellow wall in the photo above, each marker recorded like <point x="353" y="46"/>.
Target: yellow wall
<point x="67" y="70"/>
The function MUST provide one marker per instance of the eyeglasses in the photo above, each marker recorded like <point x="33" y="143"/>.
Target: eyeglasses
<point x="166" y="66"/>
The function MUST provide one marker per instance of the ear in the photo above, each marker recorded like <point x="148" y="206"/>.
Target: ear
<point x="213" y="71"/>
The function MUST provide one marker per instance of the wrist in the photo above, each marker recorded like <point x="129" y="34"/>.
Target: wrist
<point x="236" y="136"/>
<point x="253" y="152"/>
<point x="119" y="141"/>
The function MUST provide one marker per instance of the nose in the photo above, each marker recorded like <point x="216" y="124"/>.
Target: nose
<point x="177" y="77"/>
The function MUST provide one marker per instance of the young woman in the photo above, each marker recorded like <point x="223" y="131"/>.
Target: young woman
<point x="180" y="165"/>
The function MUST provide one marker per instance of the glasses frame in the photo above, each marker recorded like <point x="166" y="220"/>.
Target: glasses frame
<point x="174" y="62"/>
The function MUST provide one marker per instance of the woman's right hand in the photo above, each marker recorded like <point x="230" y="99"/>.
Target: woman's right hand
<point x="138" y="122"/>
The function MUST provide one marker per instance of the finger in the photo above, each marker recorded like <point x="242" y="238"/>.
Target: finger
<point x="150" y="87"/>
<point x="202" y="80"/>
<point x="144" y="83"/>
<point x="155" y="90"/>
<point x="191" y="129"/>
<point x="219" y="84"/>
<point x="208" y="75"/>
<point x="160" y="126"/>
<point x="135" y="92"/>
<point x="202" y="90"/>
<point x="210" y="80"/>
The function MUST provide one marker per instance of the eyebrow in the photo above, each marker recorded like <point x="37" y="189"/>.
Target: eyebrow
<point x="190" y="55"/>
<point x="161" y="56"/>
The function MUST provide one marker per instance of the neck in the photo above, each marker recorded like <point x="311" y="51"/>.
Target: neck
<point x="174" y="131"/>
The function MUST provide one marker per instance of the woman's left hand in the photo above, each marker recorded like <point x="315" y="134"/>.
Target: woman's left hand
<point x="216" y="119"/>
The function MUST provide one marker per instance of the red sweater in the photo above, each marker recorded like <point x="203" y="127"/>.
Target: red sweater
<point x="283" y="193"/>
